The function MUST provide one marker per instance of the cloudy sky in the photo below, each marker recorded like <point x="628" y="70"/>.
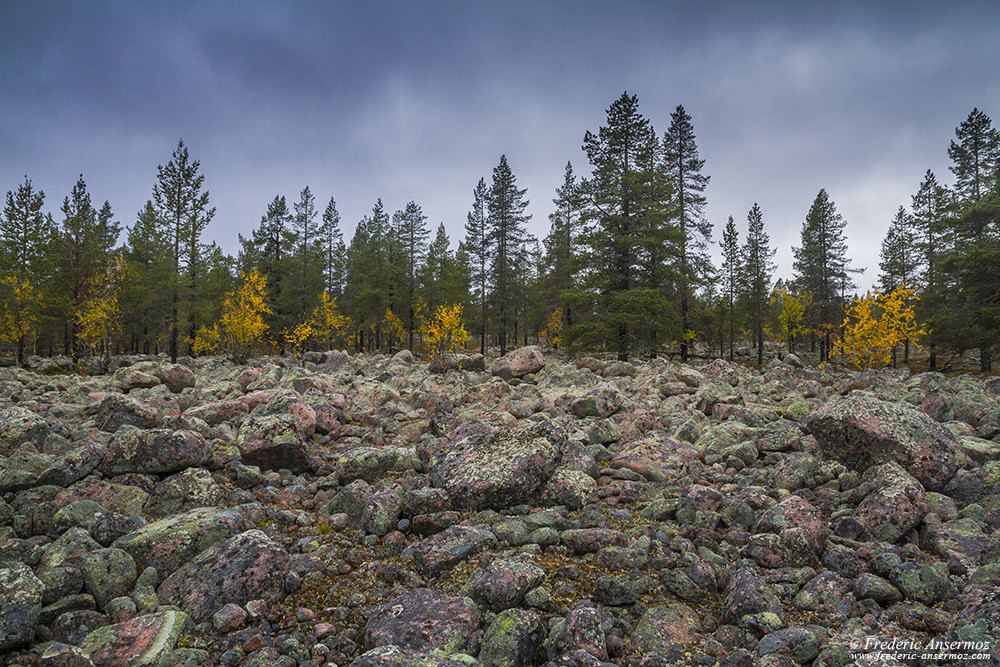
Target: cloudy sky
<point x="418" y="100"/>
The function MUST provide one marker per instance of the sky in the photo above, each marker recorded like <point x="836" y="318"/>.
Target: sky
<point x="418" y="100"/>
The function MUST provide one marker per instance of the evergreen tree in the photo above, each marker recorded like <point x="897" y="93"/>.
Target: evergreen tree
<point x="308" y="253"/>
<point x="334" y="251"/>
<point x="505" y="205"/>
<point x="182" y="210"/>
<point x="975" y="157"/>
<point x="444" y="276"/>
<point x="368" y="286"/>
<point x="268" y="251"/>
<point x="476" y="247"/>
<point x="413" y="235"/>
<point x="628" y="206"/>
<point x="822" y="267"/>
<point x="930" y="210"/>
<point x="758" y="269"/>
<point x="899" y="258"/>
<point x="86" y="241"/>
<point x="683" y="167"/>
<point x="26" y="235"/>
<point x="562" y="255"/>
<point x="732" y="272"/>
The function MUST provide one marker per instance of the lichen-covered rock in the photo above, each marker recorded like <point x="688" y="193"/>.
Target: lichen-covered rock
<point x="657" y="456"/>
<point x="248" y="566"/>
<point x="396" y="656"/>
<point x="666" y="625"/>
<point x="520" y="362"/>
<point x="20" y="605"/>
<point x="117" y="410"/>
<point x="748" y="594"/>
<point x="798" y="642"/>
<point x="964" y="540"/>
<point x="572" y="488"/>
<point x="218" y="412"/>
<point x="862" y="431"/>
<point x="74" y="465"/>
<point x="138" y="642"/>
<point x="177" y="377"/>
<point x="448" y="548"/>
<point x="367" y="463"/>
<point x="501" y="583"/>
<point x="169" y="543"/>
<point x="582" y="629"/>
<point x="600" y="402"/>
<point x="108" y="574"/>
<point x="133" y="450"/>
<point x="19" y="425"/>
<point x="895" y="506"/>
<point x="271" y="442"/>
<point x="423" y="620"/>
<point x="381" y="514"/>
<point x="194" y="487"/>
<point x="498" y="468"/>
<point x="926" y="583"/>
<point x="113" y="497"/>
<point x="827" y="594"/>
<point x="513" y="639"/>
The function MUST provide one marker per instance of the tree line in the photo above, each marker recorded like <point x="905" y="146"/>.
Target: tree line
<point x="625" y="267"/>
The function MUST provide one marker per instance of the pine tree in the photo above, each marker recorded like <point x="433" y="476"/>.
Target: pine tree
<point x="683" y="167"/>
<point x="182" y="210"/>
<point x="732" y="271"/>
<point x="899" y="257"/>
<point x="505" y="205"/>
<point x="562" y="255"/>
<point x="86" y="241"/>
<point x="975" y="157"/>
<point x="413" y="235"/>
<point x="26" y="235"/>
<point x="930" y="210"/>
<point x="758" y="269"/>
<point x="628" y="206"/>
<point x="310" y="277"/>
<point x="268" y="251"/>
<point x="822" y="267"/>
<point x="334" y="251"/>
<point x="475" y="245"/>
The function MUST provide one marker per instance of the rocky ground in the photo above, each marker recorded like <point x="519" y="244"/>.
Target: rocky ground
<point x="368" y="510"/>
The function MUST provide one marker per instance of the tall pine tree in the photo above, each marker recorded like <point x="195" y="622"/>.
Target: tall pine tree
<point x="505" y="206"/>
<point x="732" y="272"/>
<point x="758" y="268"/>
<point x="476" y="247"/>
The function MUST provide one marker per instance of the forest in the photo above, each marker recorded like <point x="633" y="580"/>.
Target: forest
<point x="625" y="268"/>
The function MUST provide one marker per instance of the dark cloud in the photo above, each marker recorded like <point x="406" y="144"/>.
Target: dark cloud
<point x="417" y="100"/>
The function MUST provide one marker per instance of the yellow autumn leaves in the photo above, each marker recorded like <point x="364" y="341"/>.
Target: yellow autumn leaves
<point x="877" y="323"/>
<point x="242" y="331"/>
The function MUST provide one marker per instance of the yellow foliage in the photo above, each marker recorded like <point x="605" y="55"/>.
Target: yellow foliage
<point x="392" y="326"/>
<point x="297" y="337"/>
<point x="552" y="333"/>
<point x="243" y="326"/>
<point x="99" y="318"/>
<point x="876" y="323"/>
<point x="444" y="332"/>
<point x="329" y="326"/>
<point x="19" y="311"/>
<point x="205" y="340"/>
<point x="791" y="316"/>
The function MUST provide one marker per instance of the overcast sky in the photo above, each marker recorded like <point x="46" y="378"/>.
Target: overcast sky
<point x="418" y="100"/>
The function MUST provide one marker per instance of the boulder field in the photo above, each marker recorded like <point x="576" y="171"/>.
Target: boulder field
<point x="530" y="510"/>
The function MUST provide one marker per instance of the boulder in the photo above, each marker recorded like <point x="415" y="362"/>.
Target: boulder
<point x="19" y="425"/>
<point x="520" y="362"/>
<point x="117" y="410"/>
<point x="177" y="377"/>
<point x="600" y="402"/>
<point x="862" y="431"/>
<point x="156" y="451"/>
<point x="139" y="642"/>
<point x="20" y="605"/>
<point x="423" y="620"/>
<point x="272" y="442"/>
<point x="897" y="504"/>
<point x="245" y="567"/>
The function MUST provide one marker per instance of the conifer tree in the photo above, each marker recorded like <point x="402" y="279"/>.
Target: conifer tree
<point x="822" y="267"/>
<point x="476" y="247"/>
<point x="26" y="234"/>
<point x="86" y="240"/>
<point x="562" y="254"/>
<point x="333" y="249"/>
<point x="505" y="205"/>
<point x="310" y="277"/>
<point x="182" y="210"/>
<point x="758" y="269"/>
<point x="975" y="157"/>
<point x="628" y="206"/>
<point x="683" y="167"/>
<point x="732" y="272"/>
<point x="899" y="257"/>
<point x="413" y="235"/>
<point x="268" y="251"/>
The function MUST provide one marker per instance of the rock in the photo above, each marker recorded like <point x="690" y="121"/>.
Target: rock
<point x="961" y="539"/>
<point x="20" y="605"/>
<point x="664" y="626"/>
<point x="895" y="506"/>
<point x="870" y="586"/>
<point x="108" y="574"/>
<point x="395" y="656"/>
<point x="800" y="534"/>
<point x="572" y="488"/>
<point x="582" y="629"/>
<point x="921" y="582"/>
<point x="657" y="456"/>
<point x="423" y="620"/>
<point x="827" y="594"/>
<point x="218" y="412"/>
<point x="799" y="643"/>
<point x="497" y="468"/>
<point x="58" y="654"/>
<point x="130" y="378"/>
<point x="140" y="642"/>
<point x="245" y="567"/>
<point x="177" y="377"/>
<point x="272" y="442"/>
<point x="747" y="594"/>
<point x="117" y="410"/>
<point x="382" y="512"/>
<point x="194" y="487"/>
<point x="863" y="431"/>
<point x="73" y="465"/>
<point x="513" y="639"/>
<point x="600" y="402"/>
<point x="501" y="583"/>
<point x="520" y="362"/>
<point x="229" y="617"/>
<point x="618" y="591"/>
<point x="367" y="463"/>
<point x="19" y="425"/>
<point x="445" y="550"/>
<point x="157" y="451"/>
<point x="169" y="543"/>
